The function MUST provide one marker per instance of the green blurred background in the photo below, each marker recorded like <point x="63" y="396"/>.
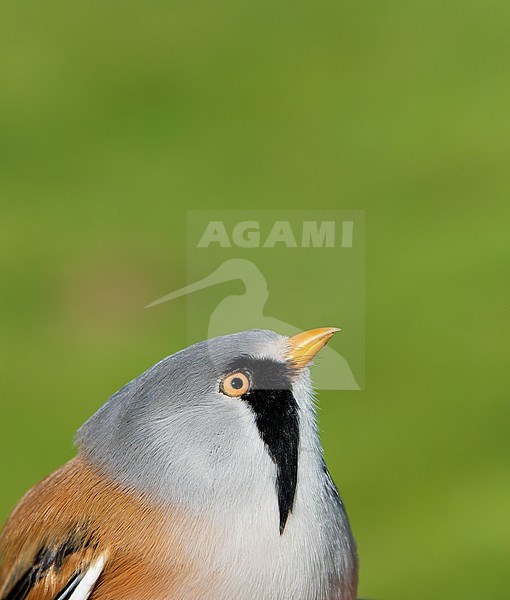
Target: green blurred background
<point x="116" y="118"/>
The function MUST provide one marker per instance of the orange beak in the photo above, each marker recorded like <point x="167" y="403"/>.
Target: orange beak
<point x="304" y="346"/>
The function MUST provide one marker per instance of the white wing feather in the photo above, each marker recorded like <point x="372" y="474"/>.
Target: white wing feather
<point x="84" y="589"/>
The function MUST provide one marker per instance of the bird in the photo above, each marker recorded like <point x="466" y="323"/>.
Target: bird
<point x="204" y="477"/>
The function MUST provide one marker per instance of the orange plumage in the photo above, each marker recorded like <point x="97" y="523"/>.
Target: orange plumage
<point x="131" y="531"/>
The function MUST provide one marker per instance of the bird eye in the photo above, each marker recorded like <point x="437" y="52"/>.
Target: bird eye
<point x="235" y="384"/>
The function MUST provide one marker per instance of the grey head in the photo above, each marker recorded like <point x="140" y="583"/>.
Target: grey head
<point x="221" y="423"/>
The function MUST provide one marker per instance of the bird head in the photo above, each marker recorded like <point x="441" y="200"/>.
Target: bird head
<point x="218" y="424"/>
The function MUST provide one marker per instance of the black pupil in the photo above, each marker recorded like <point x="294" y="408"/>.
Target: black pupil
<point x="237" y="383"/>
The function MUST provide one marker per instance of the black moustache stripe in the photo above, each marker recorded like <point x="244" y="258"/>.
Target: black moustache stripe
<point x="277" y="419"/>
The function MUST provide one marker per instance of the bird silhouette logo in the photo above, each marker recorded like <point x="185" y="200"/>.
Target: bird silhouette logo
<point x="238" y="312"/>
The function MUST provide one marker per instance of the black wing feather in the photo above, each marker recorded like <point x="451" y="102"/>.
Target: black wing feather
<point x="50" y="558"/>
